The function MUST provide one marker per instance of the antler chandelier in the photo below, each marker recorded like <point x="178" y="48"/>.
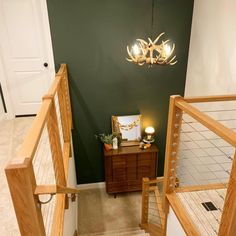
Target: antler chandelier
<point x="152" y="53"/>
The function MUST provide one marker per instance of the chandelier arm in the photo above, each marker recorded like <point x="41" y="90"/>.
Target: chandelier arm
<point x="129" y="53"/>
<point x="128" y="59"/>
<point x="150" y="41"/>
<point x="165" y="42"/>
<point x="173" y="63"/>
<point x="142" y="41"/>
<point x="141" y="64"/>
<point x="158" y="37"/>
<point x="172" y="59"/>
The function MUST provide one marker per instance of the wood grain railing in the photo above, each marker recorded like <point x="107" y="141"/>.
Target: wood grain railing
<point x="151" y="194"/>
<point x="177" y="107"/>
<point x="20" y="172"/>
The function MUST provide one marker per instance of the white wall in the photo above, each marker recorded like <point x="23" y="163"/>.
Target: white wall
<point x="5" y="89"/>
<point x="174" y="228"/>
<point x="70" y="220"/>
<point x="212" y="60"/>
<point x="212" y="55"/>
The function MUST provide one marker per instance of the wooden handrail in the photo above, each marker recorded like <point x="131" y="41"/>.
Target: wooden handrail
<point x="200" y="187"/>
<point x="215" y="126"/>
<point x="214" y="98"/>
<point x="20" y="173"/>
<point x="228" y="218"/>
<point x="182" y="215"/>
<point x="54" y="189"/>
<point x="31" y="141"/>
<point x="177" y="106"/>
<point x="147" y="187"/>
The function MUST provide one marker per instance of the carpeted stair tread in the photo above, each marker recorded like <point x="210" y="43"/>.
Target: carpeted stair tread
<point x="121" y="232"/>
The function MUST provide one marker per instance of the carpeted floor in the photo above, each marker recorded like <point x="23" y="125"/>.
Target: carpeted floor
<point x="12" y="133"/>
<point x="99" y="212"/>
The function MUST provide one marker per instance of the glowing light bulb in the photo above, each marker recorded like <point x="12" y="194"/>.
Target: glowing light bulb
<point x="150" y="134"/>
<point x="149" y="130"/>
<point x="136" y="49"/>
<point x="167" y="49"/>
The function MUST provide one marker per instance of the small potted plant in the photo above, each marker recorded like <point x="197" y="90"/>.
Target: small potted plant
<point x="106" y="140"/>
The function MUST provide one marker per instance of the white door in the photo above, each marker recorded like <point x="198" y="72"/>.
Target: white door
<point x="26" y="52"/>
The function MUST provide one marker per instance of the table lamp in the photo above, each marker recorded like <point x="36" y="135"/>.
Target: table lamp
<point x="149" y="138"/>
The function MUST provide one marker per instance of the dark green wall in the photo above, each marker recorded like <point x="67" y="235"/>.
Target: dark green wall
<point x="91" y="37"/>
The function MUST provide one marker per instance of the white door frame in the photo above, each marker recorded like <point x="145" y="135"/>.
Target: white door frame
<point x="48" y="46"/>
<point x="3" y="79"/>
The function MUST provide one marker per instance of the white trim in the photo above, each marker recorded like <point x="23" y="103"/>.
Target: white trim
<point x="91" y="186"/>
<point x="47" y="39"/>
<point x="49" y="58"/>
<point x="5" y="90"/>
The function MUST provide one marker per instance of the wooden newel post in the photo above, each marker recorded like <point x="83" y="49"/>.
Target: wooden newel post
<point x="172" y="143"/>
<point x="21" y="181"/>
<point x="145" y="201"/>
<point x="228" y="218"/>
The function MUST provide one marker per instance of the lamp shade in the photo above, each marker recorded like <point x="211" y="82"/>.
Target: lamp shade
<point x="149" y="130"/>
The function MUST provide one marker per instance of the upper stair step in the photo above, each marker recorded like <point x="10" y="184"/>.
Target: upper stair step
<point x="121" y="232"/>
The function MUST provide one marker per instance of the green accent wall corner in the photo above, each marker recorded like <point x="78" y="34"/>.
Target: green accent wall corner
<point x="91" y="36"/>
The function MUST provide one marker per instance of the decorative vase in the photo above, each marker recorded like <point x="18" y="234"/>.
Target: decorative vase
<point x="115" y="143"/>
<point x="107" y="146"/>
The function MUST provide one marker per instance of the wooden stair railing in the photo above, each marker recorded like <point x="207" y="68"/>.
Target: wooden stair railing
<point x="148" y="187"/>
<point x="20" y="173"/>
<point x="177" y="106"/>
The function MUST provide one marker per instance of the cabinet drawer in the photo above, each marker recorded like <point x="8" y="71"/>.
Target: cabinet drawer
<point x="117" y="187"/>
<point x="131" y="163"/>
<point x="125" y="169"/>
<point x="119" y="168"/>
<point x="146" y="165"/>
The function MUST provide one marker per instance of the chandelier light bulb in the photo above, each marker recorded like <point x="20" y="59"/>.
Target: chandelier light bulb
<point x="136" y="49"/>
<point x="167" y="49"/>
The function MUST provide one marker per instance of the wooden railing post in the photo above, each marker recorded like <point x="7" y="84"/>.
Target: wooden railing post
<point x="65" y="85"/>
<point x="63" y="112"/>
<point x="64" y="105"/>
<point x="22" y="184"/>
<point x="172" y="143"/>
<point x="56" y="150"/>
<point x="228" y="218"/>
<point x="145" y="201"/>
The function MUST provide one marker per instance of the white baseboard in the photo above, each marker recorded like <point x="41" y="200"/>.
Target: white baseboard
<point x="91" y="186"/>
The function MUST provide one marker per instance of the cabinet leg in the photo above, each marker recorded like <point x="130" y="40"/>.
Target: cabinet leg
<point x="115" y="194"/>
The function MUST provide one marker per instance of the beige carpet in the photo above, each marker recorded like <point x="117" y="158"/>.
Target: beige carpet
<point x="12" y="133"/>
<point x="99" y="212"/>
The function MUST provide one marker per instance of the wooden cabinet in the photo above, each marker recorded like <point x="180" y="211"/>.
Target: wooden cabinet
<point x="126" y="166"/>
